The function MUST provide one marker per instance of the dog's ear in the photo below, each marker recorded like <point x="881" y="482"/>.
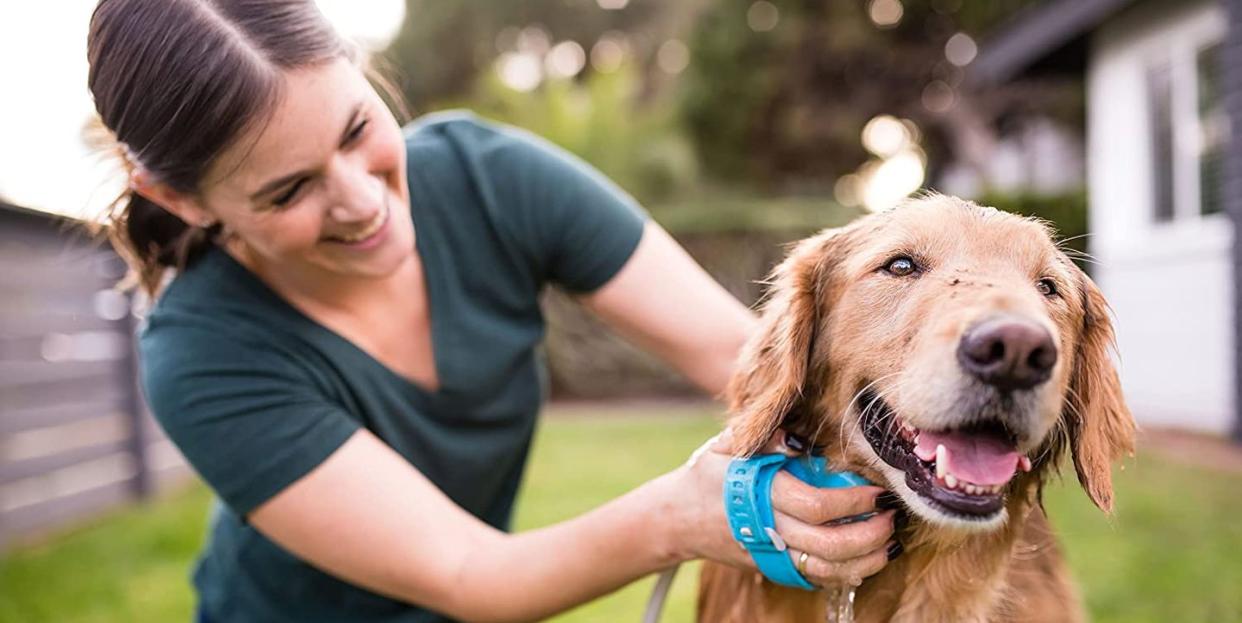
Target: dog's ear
<point x="772" y="368"/>
<point x="1100" y="425"/>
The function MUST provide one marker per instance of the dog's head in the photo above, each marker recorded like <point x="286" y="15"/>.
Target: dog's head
<point x="942" y="350"/>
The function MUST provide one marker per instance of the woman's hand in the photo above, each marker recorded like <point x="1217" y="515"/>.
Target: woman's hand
<point x="846" y="552"/>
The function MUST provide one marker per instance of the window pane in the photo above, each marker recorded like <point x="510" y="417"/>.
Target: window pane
<point x="1209" y="78"/>
<point x="1159" y="99"/>
<point x="1213" y="129"/>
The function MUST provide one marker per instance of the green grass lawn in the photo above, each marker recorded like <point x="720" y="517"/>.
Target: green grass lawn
<point x="1173" y="552"/>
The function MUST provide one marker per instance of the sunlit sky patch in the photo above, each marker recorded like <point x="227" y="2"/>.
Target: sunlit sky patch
<point x="43" y="162"/>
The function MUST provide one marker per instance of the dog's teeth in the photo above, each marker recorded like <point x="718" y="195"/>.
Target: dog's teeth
<point x="950" y="480"/>
<point x="942" y="461"/>
<point x="1025" y="463"/>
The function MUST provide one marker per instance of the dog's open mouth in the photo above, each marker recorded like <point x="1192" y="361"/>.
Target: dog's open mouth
<point x="961" y="472"/>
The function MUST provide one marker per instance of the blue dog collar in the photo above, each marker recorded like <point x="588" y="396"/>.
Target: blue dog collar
<point x="748" y="504"/>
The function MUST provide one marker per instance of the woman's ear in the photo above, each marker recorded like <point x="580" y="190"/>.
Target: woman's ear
<point x="1100" y="425"/>
<point x="772" y="368"/>
<point x="181" y="205"/>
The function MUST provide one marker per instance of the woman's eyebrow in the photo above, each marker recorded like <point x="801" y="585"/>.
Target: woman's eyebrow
<point x="275" y="184"/>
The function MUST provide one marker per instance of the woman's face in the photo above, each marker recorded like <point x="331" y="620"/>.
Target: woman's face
<point x="319" y="192"/>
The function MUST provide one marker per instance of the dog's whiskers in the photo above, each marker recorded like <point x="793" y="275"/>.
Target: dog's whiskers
<point x="844" y="421"/>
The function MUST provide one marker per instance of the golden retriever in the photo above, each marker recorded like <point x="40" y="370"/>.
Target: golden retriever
<point x="950" y="353"/>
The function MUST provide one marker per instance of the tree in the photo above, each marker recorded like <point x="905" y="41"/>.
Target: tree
<point x="785" y="106"/>
<point x="443" y="46"/>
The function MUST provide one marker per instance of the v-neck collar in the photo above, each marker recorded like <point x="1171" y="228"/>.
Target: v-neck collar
<point x="424" y="247"/>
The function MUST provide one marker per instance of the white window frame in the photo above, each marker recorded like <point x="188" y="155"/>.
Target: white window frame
<point x="1180" y="47"/>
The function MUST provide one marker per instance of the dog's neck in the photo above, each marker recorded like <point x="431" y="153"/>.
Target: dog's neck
<point x="959" y="575"/>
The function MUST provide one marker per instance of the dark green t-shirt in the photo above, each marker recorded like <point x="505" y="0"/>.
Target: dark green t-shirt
<point x="256" y="394"/>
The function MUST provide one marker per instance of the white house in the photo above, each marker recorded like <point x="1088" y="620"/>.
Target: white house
<point x="1164" y="175"/>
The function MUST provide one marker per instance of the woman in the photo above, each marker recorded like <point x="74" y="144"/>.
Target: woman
<point x="346" y="349"/>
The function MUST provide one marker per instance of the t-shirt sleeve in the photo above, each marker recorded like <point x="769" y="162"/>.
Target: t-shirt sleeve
<point x="245" y="416"/>
<point x="572" y="221"/>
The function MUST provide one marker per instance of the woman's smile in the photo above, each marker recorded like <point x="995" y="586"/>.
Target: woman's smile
<point x="370" y="236"/>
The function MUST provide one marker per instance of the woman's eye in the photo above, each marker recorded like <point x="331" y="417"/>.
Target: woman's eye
<point x="901" y="266"/>
<point x="1047" y="287"/>
<point x="288" y="196"/>
<point x="357" y="131"/>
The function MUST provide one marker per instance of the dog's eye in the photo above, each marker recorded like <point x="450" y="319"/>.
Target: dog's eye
<point x="901" y="266"/>
<point x="1047" y="287"/>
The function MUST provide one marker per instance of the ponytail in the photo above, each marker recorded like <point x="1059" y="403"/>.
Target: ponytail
<point x="153" y="240"/>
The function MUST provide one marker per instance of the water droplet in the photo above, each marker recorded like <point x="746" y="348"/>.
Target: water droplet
<point x="840" y="604"/>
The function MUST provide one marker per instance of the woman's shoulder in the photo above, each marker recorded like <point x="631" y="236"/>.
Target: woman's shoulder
<point x="452" y="124"/>
<point x="216" y="304"/>
<point x="489" y="146"/>
<point x="437" y="122"/>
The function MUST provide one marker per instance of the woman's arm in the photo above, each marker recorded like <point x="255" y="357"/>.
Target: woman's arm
<point x="367" y="516"/>
<point x="665" y="302"/>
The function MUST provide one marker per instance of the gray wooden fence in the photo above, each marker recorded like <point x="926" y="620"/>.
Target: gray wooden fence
<point x="75" y="437"/>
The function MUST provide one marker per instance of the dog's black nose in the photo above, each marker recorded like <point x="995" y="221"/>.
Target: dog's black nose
<point x="1008" y="352"/>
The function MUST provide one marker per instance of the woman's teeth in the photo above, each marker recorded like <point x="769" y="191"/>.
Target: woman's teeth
<point x="374" y="226"/>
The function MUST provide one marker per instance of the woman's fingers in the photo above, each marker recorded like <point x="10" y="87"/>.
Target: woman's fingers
<point x="842" y="552"/>
<point x="782" y="442"/>
<point x="815" y="505"/>
<point x="838" y="542"/>
<point x="822" y="572"/>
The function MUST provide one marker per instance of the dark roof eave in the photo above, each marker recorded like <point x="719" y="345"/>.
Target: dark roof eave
<point x="6" y="206"/>
<point x="1036" y="34"/>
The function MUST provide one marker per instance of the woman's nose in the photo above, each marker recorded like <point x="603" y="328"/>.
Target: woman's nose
<point x="357" y="195"/>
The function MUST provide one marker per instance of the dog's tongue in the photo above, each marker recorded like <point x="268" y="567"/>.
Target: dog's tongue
<point x="980" y="459"/>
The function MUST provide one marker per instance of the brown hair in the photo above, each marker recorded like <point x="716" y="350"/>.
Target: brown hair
<point x="177" y="82"/>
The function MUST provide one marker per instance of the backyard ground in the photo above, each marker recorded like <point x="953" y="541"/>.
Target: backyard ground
<point x="1172" y="553"/>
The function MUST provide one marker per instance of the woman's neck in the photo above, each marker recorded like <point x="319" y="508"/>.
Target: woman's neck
<point x="320" y="293"/>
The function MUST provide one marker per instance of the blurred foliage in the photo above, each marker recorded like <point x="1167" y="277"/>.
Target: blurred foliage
<point x="787" y="106"/>
<point x="1067" y="212"/>
<point x="444" y="47"/>
<point x="602" y="119"/>
<point x="773" y="111"/>
<point x="725" y="212"/>
<point x="756" y="114"/>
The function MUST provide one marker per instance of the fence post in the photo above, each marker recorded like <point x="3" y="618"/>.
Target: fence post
<point x="135" y="408"/>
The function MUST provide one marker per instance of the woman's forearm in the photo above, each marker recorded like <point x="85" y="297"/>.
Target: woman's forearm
<point x="532" y="575"/>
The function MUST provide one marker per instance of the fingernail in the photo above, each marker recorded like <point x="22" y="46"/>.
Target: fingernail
<point x="796" y="442"/>
<point x="900" y="520"/>
<point x="887" y="500"/>
<point x="894" y="550"/>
